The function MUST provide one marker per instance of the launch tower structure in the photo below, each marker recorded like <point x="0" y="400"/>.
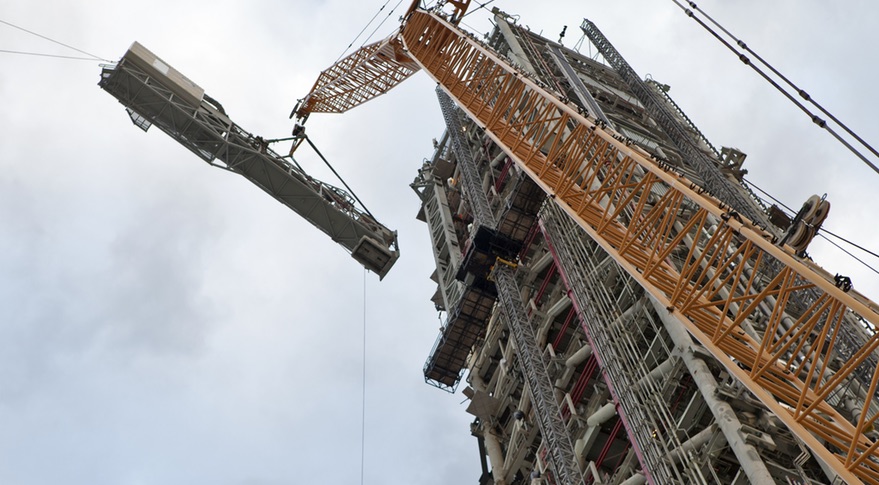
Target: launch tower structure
<point x="575" y="373"/>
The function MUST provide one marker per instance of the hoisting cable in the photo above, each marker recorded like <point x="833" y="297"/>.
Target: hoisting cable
<point x="815" y="118"/>
<point x="94" y="57"/>
<point x="382" y="22"/>
<point x="477" y="8"/>
<point x="321" y="155"/>
<point x="362" y="30"/>
<point x="4" y="51"/>
<point x="363" y="389"/>
<point x="846" y="252"/>
<point x="803" y="94"/>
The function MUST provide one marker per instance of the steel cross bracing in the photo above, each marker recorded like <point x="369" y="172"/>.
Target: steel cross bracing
<point x="206" y="131"/>
<point x="531" y="361"/>
<point x="547" y="412"/>
<point x="471" y="182"/>
<point x="640" y="401"/>
<point x="705" y="166"/>
<point x="365" y="74"/>
<point x="598" y="177"/>
<point x="848" y="341"/>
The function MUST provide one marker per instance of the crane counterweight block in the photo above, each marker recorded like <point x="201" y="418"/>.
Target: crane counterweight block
<point x="154" y="93"/>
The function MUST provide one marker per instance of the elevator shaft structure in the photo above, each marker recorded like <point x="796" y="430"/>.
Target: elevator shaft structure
<point x="156" y="94"/>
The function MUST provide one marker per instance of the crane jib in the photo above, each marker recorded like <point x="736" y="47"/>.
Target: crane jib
<point x="156" y="94"/>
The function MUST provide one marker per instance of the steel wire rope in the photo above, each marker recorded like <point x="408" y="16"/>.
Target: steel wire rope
<point x="382" y="22"/>
<point x="362" y="31"/>
<point x="94" y="57"/>
<point x="465" y="24"/>
<point x="477" y="8"/>
<point x="350" y="190"/>
<point x="5" y="51"/>
<point x="815" y="118"/>
<point x="850" y="254"/>
<point x="363" y="390"/>
<point x="803" y="94"/>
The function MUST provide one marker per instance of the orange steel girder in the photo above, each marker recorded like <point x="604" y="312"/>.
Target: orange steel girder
<point x="367" y="73"/>
<point x="646" y="216"/>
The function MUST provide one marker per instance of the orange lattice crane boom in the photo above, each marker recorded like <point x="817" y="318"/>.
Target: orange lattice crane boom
<point x="365" y="74"/>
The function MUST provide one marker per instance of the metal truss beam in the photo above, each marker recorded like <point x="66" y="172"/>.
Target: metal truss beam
<point x="643" y="214"/>
<point x="547" y="412"/>
<point x="705" y="165"/>
<point x="367" y="73"/>
<point x="472" y="183"/>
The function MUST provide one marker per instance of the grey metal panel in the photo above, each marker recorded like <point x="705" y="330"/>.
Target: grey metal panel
<point x="157" y="68"/>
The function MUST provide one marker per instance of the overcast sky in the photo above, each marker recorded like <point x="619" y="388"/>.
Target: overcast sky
<point x="165" y="322"/>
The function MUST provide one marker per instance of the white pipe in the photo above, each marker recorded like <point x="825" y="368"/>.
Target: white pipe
<point x="496" y="160"/>
<point x="603" y="413"/>
<point x="492" y="444"/>
<point x="657" y="373"/>
<point x="692" y="444"/>
<point x="539" y="265"/>
<point x="562" y="304"/>
<point x="579" y="356"/>
<point x="593" y="470"/>
<point x="594" y="421"/>
<point x="636" y="479"/>
<point x="753" y="466"/>
<point x="495" y="457"/>
<point x="517" y="54"/>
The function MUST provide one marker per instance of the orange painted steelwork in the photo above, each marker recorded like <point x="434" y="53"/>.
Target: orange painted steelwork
<point x="367" y="73"/>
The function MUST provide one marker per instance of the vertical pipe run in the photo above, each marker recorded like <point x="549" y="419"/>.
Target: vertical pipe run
<point x="749" y="459"/>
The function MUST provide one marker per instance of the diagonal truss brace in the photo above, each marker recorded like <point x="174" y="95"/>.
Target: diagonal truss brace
<point x="365" y="74"/>
<point x="548" y="414"/>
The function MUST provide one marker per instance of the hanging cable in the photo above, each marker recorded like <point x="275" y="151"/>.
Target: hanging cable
<point x="382" y="22"/>
<point x="871" y="253"/>
<point x="477" y="8"/>
<point x="803" y="94"/>
<point x="4" y="51"/>
<point x="767" y="194"/>
<point x="850" y="254"/>
<point x="363" y="390"/>
<point x="821" y="230"/>
<point x="321" y="155"/>
<point x="362" y="31"/>
<point x="815" y="118"/>
<point x="94" y="57"/>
